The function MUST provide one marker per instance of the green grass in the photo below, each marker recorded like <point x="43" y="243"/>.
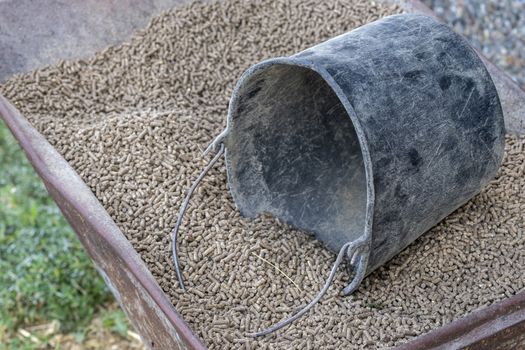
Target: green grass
<point x="44" y="272"/>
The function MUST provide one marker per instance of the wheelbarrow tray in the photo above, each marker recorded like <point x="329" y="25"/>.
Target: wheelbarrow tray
<point x="499" y="326"/>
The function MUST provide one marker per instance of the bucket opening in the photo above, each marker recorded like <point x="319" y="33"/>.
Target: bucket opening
<point x="293" y="152"/>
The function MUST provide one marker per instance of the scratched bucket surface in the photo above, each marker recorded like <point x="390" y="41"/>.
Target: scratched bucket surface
<point x="373" y="136"/>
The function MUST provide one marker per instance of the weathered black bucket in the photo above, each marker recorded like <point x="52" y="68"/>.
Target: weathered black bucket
<point x="366" y="140"/>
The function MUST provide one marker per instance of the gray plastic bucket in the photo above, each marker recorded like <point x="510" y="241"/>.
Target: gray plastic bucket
<point x="373" y="136"/>
<point x="366" y="140"/>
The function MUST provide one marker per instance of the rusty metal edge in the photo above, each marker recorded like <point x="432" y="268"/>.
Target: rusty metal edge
<point x="474" y="327"/>
<point x="28" y="138"/>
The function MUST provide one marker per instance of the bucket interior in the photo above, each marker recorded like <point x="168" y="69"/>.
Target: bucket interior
<point x="293" y="152"/>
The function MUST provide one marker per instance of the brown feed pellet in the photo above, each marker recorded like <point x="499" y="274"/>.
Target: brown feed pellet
<point x="133" y="121"/>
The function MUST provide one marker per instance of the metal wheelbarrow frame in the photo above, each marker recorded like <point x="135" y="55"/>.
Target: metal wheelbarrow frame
<point x="499" y="326"/>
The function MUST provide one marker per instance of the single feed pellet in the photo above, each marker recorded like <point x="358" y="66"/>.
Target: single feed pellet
<point x="133" y="121"/>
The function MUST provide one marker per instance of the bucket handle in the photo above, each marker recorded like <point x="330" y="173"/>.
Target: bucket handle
<point x="216" y="145"/>
<point x="183" y="209"/>
<point x="356" y="251"/>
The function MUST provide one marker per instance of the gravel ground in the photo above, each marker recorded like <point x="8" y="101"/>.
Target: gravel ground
<point x="496" y="27"/>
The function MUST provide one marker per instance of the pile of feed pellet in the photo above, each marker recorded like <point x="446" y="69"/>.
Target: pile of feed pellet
<point x="133" y="121"/>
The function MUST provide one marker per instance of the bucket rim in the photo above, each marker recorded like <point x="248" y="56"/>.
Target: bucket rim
<point x="366" y="238"/>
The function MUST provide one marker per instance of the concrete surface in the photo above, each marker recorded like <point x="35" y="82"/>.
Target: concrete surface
<point x="34" y="33"/>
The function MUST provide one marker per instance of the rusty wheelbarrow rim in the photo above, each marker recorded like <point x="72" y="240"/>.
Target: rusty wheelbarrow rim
<point x="472" y="329"/>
